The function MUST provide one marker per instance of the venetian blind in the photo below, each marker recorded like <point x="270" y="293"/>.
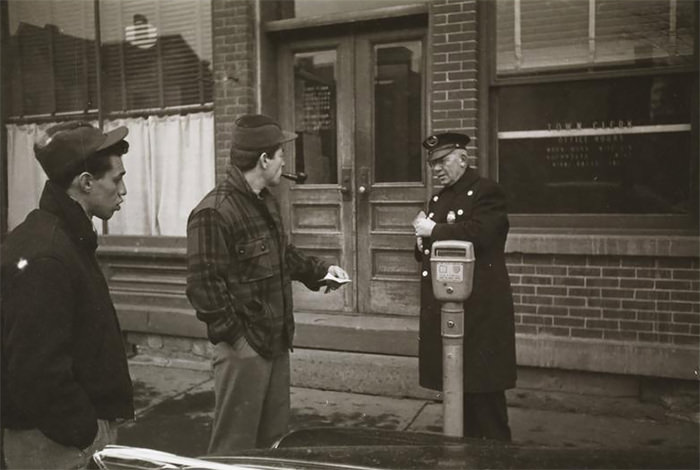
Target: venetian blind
<point x="546" y="34"/>
<point x="156" y="54"/>
<point x="52" y="57"/>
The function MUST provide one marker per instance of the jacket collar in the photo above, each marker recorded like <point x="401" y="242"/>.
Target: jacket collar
<point x="240" y="184"/>
<point x="72" y="216"/>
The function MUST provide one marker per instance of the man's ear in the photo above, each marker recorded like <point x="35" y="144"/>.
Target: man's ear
<point x="85" y="181"/>
<point x="263" y="160"/>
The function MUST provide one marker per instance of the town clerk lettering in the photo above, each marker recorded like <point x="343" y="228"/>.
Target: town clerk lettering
<point x="609" y="124"/>
<point x="573" y="157"/>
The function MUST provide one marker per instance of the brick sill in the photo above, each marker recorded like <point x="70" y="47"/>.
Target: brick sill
<point x="604" y="244"/>
<point x="518" y="242"/>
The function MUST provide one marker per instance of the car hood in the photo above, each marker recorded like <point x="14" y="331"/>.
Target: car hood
<point x="354" y="449"/>
<point x="387" y="449"/>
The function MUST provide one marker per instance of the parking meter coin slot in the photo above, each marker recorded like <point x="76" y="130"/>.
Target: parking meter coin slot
<point x="451" y="252"/>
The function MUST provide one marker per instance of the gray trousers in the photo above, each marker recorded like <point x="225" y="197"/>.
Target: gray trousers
<point x="31" y="449"/>
<point x="252" y="398"/>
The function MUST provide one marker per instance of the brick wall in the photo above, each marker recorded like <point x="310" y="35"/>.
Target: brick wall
<point x="233" y="32"/>
<point x="454" y="67"/>
<point x="609" y="298"/>
<point x="631" y="299"/>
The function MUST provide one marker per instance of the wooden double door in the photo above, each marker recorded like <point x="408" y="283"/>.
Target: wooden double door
<point x="357" y="102"/>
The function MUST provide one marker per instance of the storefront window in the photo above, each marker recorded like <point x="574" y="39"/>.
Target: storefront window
<point x="607" y="146"/>
<point x="155" y="79"/>
<point x="597" y="141"/>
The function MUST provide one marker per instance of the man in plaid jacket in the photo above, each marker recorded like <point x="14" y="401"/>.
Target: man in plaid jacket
<point x="240" y="268"/>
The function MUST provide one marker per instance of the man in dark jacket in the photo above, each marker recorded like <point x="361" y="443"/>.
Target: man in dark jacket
<point x="240" y="265"/>
<point x="478" y="207"/>
<point x="65" y="380"/>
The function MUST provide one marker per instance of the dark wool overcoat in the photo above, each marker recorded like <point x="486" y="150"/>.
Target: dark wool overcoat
<point x="489" y="331"/>
<point x="63" y="358"/>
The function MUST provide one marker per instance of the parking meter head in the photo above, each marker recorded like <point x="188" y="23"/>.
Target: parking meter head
<point x="452" y="270"/>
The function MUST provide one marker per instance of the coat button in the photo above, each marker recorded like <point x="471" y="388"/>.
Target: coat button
<point x="262" y="247"/>
<point x="435" y="198"/>
<point x="241" y="251"/>
<point x="426" y="251"/>
<point x="470" y="192"/>
<point x="460" y="212"/>
<point x="431" y="215"/>
<point x="424" y="273"/>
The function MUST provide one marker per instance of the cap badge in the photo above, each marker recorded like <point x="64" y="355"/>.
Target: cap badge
<point x="431" y="141"/>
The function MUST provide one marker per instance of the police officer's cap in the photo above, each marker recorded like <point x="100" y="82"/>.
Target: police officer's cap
<point x="440" y="145"/>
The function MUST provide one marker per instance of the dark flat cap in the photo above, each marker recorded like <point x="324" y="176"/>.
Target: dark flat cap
<point x="63" y="146"/>
<point x="258" y="132"/>
<point x="439" y="145"/>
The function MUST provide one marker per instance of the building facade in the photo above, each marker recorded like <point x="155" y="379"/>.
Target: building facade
<point x="586" y="111"/>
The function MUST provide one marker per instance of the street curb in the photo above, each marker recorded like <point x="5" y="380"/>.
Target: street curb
<point x="177" y="363"/>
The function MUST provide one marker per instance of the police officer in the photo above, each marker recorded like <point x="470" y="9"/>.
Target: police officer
<point x="476" y="209"/>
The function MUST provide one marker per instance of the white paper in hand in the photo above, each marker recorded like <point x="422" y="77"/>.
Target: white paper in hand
<point x="332" y="281"/>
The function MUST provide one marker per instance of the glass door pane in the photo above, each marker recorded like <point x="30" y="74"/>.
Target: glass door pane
<point x="315" y="115"/>
<point x="397" y="111"/>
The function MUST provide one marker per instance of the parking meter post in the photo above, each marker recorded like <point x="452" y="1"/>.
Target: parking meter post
<point x="452" y="330"/>
<point x="452" y="269"/>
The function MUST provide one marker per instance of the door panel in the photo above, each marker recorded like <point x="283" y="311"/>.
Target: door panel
<point x="318" y="213"/>
<point x="389" y="95"/>
<point x="317" y="228"/>
<point x="356" y="102"/>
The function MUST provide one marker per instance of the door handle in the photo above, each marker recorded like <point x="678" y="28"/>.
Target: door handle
<point x="363" y="188"/>
<point x="346" y="183"/>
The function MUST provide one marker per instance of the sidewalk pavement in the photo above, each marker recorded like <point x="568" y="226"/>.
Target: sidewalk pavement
<point x="174" y="410"/>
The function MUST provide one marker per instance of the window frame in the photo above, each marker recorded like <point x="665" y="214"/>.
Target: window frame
<point x="491" y="83"/>
<point x="98" y="112"/>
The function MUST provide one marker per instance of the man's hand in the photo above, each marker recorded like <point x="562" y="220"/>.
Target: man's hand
<point x="423" y="225"/>
<point x="338" y="272"/>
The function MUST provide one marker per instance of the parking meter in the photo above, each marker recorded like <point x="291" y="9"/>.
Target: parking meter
<point x="452" y="270"/>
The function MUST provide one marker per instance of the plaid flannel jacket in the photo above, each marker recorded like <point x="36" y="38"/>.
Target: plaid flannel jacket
<point x="240" y="267"/>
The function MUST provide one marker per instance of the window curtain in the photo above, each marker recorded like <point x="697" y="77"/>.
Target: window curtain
<point x="25" y="178"/>
<point x="170" y="166"/>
